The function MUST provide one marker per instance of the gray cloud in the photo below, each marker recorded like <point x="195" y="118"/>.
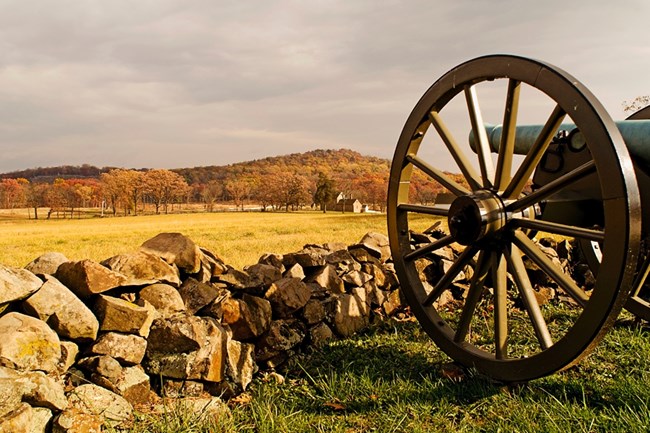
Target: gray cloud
<point x="170" y="83"/>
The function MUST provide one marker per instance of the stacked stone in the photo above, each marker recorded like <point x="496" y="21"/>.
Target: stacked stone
<point x="83" y="342"/>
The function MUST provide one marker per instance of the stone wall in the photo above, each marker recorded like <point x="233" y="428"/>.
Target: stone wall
<point x="83" y="343"/>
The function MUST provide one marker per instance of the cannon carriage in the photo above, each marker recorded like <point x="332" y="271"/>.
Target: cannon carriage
<point x="571" y="173"/>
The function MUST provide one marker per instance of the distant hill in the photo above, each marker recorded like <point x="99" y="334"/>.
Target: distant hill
<point x="332" y="162"/>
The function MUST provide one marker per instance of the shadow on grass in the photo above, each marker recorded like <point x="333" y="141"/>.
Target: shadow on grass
<point x="396" y="364"/>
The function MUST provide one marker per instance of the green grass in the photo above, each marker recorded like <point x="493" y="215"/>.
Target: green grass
<point x="239" y="237"/>
<point x="389" y="379"/>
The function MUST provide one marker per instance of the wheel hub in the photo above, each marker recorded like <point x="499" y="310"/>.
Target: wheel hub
<point x="475" y="216"/>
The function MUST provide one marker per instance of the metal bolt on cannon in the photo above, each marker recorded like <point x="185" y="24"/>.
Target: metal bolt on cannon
<point x="570" y="173"/>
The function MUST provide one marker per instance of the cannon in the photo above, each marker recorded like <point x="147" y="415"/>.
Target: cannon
<point x="546" y="159"/>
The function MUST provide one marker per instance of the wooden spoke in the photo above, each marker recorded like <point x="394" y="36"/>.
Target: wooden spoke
<point x="428" y="210"/>
<point x="456" y="152"/>
<point x="444" y="282"/>
<point x="559" y="229"/>
<point x="438" y="175"/>
<point x="518" y="272"/>
<point x="552" y="187"/>
<point x="535" y="154"/>
<point x="474" y="293"/>
<point x="481" y="139"/>
<point x="500" y="278"/>
<point x="507" y="145"/>
<point x="423" y="251"/>
<point x="536" y="255"/>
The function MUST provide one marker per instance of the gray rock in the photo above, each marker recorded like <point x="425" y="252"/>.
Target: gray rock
<point x="76" y="421"/>
<point x="102" y="365"/>
<point x="197" y="295"/>
<point x="17" y="284"/>
<point x="280" y="337"/>
<point x="356" y="278"/>
<point x="64" y="312"/>
<point x="200" y="354"/>
<point x="273" y="260"/>
<point x="46" y="264"/>
<point x="295" y="271"/>
<point x="128" y="349"/>
<point x="240" y="365"/>
<point x="287" y="295"/>
<point x="40" y="390"/>
<point x="263" y="275"/>
<point x="116" y="314"/>
<point x="134" y="385"/>
<point x="142" y="268"/>
<point x="87" y="278"/>
<point x="177" y="249"/>
<point x="28" y="343"/>
<point x="165" y="299"/>
<point x="11" y="391"/>
<point x="320" y="334"/>
<point x="350" y="315"/>
<point x="393" y="303"/>
<point x="248" y="317"/>
<point x="18" y="420"/>
<point x="343" y="261"/>
<point x="95" y="400"/>
<point x="377" y="244"/>
<point x="69" y="352"/>
<point x="174" y="388"/>
<point x="327" y="278"/>
<point x="40" y="420"/>
<point x="308" y="257"/>
<point x="314" y="312"/>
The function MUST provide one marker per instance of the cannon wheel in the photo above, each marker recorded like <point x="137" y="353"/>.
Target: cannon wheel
<point x="489" y="218"/>
<point x="637" y="303"/>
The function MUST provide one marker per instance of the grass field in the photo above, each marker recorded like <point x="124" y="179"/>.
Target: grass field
<point x="239" y="237"/>
<point x="390" y="378"/>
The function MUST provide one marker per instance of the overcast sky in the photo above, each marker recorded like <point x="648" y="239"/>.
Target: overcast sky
<point x="181" y="83"/>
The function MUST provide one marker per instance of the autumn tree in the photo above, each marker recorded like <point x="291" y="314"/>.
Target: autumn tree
<point x="239" y="189"/>
<point x="210" y="193"/>
<point x="35" y="196"/>
<point x="12" y="192"/>
<point x="163" y="187"/>
<point x="636" y="104"/>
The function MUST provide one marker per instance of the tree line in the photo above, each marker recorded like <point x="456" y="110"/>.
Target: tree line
<point x="292" y="182"/>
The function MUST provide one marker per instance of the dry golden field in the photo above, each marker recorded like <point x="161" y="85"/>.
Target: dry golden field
<point x="239" y="237"/>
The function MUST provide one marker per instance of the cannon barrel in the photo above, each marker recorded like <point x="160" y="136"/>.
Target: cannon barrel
<point x="636" y="134"/>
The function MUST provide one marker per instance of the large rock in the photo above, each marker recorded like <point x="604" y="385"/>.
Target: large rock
<point x="116" y="314"/>
<point x="74" y="420"/>
<point x="28" y="343"/>
<point x="40" y="420"/>
<point x="197" y="295"/>
<point x="17" y="284"/>
<point x="134" y="385"/>
<point x="69" y="352"/>
<point x="281" y="336"/>
<point x="56" y="305"/>
<point x="11" y="391"/>
<point x="95" y="400"/>
<point x="18" y="420"/>
<point x="327" y="278"/>
<point x="176" y="249"/>
<point x="128" y="349"/>
<point x="262" y="274"/>
<point x="343" y="261"/>
<point x="240" y="365"/>
<point x="356" y="278"/>
<point x="40" y="390"/>
<point x="350" y="315"/>
<point x="377" y="244"/>
<point x="248" y="317"/>
<point x="165" y="299"/>
<point x="308" y="257"/>
<point x="86" y="278"/>
<point x="46" y="264"/>
<point x="187" y="348"/>
<point x="143" y="268"/>
<point x="287" y="295"/>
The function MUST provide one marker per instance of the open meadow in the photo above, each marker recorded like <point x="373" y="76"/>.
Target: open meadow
<point x="389" y="378"/>
<point x="240" y="238"/>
